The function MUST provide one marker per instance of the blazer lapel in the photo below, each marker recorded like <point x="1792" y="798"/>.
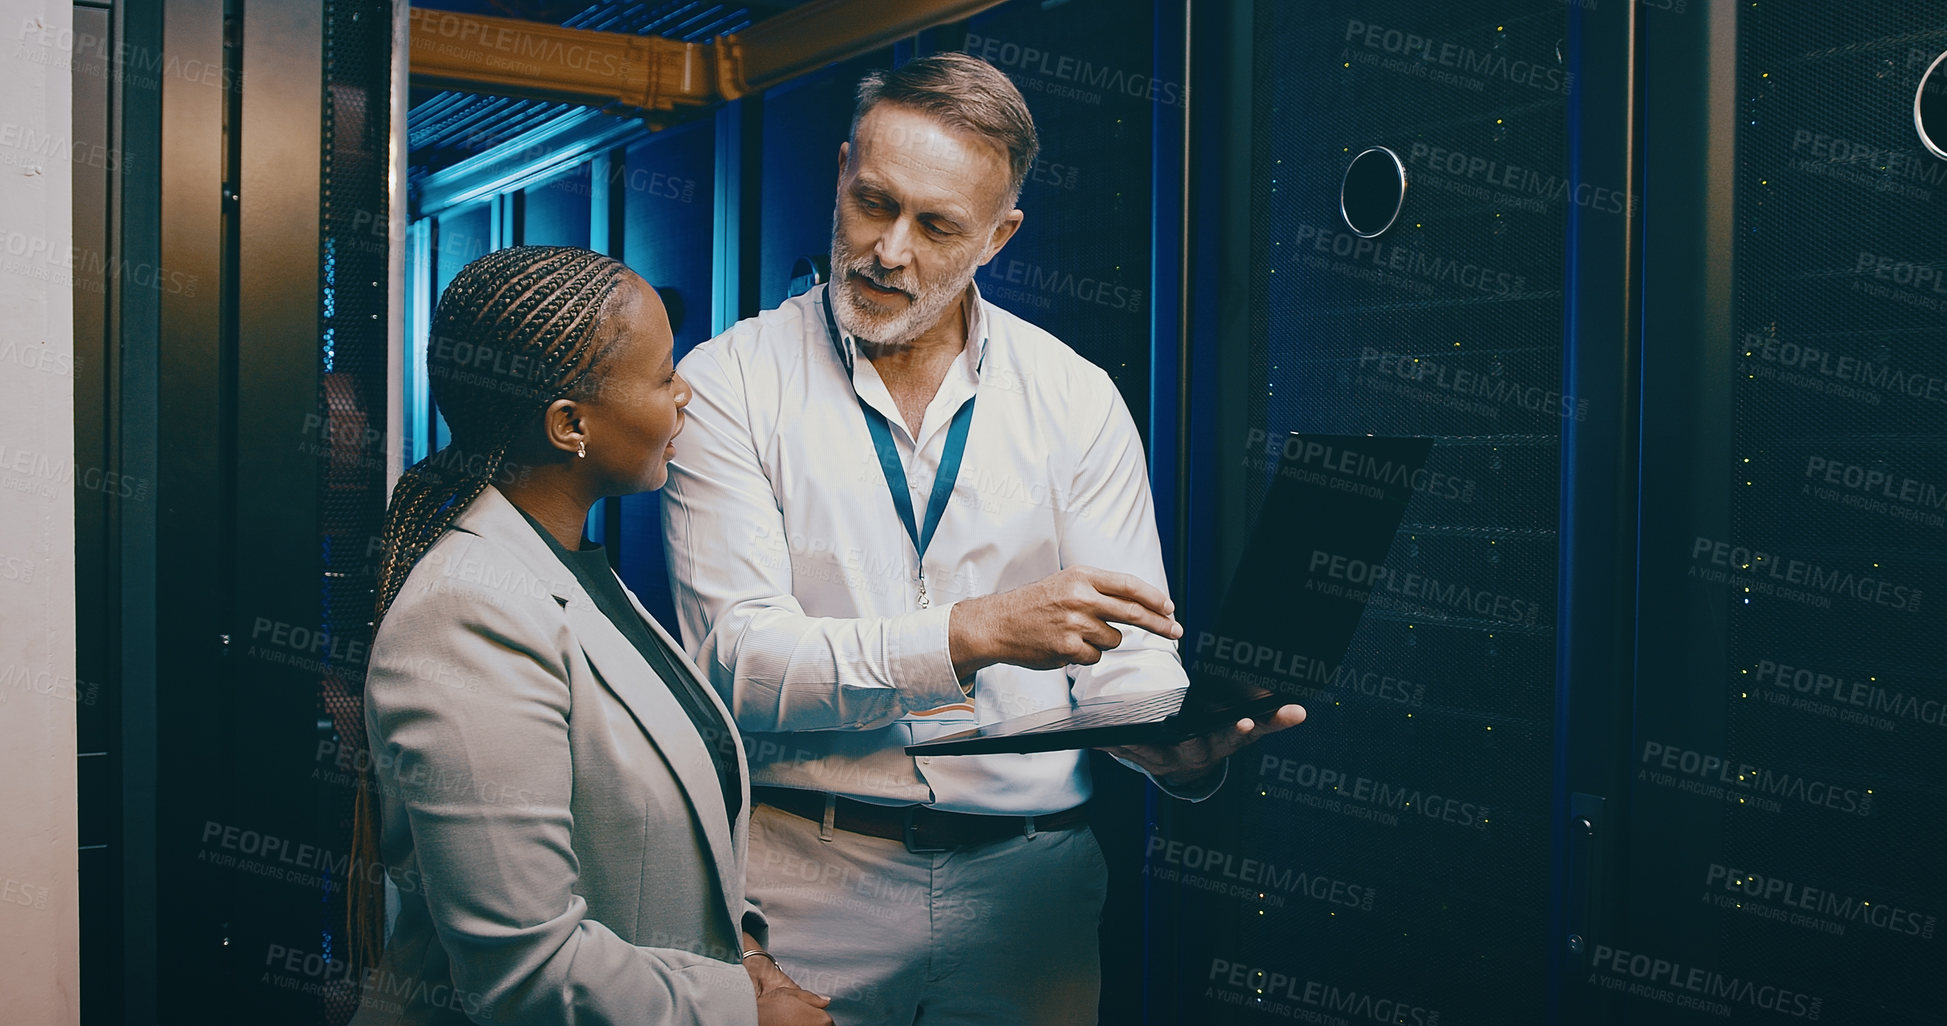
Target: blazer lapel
<point x="728" y="866"/>
<point x="629" y="677"/>
<point x="624" y="672"/>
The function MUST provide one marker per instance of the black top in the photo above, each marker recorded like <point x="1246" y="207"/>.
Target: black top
<point x="590" y="567"/>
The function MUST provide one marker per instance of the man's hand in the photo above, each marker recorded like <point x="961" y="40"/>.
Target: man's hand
<point x="1183" y="763"/>
<point x="1059" y="620"/>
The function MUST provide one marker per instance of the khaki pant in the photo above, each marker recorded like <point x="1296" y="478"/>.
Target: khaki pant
<point x="1002" y="934"/>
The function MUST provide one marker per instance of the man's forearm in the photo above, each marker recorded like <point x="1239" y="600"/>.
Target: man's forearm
<point x="969" y="642"/>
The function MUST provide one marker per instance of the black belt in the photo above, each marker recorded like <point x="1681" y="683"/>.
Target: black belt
<point x="925" y="830"/>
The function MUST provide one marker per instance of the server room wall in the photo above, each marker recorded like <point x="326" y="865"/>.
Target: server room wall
<point x="1395" y="847"/>
<point x="665" y="200"/>
<point x="1783" y="764"/>
<point x="1639" y="727"/>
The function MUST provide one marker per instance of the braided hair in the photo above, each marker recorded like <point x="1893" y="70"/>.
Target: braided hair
<point x="515" y="330"/>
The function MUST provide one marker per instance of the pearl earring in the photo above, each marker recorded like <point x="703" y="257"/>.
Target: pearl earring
<point x="581" y="448"/>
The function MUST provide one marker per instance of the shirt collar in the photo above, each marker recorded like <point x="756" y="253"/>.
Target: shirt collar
<point x="972" y="356"/>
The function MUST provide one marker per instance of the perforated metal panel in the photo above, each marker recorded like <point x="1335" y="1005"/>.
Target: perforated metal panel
<point x="1389" y="860"/>
<point x="353" y="368"/>
<point x="1785" y="840"/>
<point x="1080" y="265"/>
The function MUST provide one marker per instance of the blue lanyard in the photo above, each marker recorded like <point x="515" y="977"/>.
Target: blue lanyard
<point x="902" y="496"/>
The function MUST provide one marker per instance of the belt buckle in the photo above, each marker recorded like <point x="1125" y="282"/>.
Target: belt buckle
<point x="909" y="828"/>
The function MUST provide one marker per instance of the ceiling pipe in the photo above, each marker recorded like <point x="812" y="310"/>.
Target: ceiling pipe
<point x="650" y="76"/>
<point x="646" y="75"/>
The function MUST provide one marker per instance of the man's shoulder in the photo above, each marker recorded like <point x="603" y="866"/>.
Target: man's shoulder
<point x="776" y="335"/>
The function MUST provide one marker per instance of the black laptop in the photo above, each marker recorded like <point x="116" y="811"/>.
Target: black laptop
<point x="1328" y="521"/>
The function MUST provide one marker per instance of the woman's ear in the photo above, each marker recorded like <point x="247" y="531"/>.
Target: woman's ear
<point x="561" y="425"/>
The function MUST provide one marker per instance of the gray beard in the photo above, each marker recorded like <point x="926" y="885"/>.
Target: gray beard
<point x="879" y="329"/>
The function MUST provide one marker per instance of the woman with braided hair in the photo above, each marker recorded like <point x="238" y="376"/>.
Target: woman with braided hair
<point x="556" y="797"/>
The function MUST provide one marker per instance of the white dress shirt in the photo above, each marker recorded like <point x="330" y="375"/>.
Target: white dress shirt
<point x="796" y="583"/>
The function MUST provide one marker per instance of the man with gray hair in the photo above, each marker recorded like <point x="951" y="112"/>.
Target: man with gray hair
<point x="862" y="561"/>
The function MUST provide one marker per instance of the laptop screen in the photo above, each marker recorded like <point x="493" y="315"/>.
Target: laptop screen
<point x="1315" y="558"/>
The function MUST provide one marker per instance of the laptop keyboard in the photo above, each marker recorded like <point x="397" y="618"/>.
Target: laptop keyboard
<point x="1156" y="707"/>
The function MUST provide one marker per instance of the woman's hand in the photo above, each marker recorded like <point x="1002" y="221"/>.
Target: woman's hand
<point x="765" y="973"/>
<point x="780" y="1001"/>
<point x="789" y="1006"/>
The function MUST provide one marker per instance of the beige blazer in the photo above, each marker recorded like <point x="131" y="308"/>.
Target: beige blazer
<point x="552" y="821"/>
